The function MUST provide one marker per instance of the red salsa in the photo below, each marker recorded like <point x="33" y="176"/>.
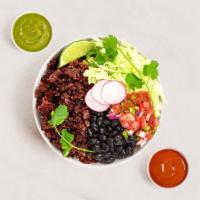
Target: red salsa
<point x="168" y="168"/>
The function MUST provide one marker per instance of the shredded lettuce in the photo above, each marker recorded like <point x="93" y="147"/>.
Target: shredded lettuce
<point x="128" y="60"/>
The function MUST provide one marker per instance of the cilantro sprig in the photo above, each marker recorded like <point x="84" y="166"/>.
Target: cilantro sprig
<point x="66" y="141"/>
<point x="151" y="70"/>
<point x="107" y="52"/>
<point x="58" y="116"/>
<point x="133" y="81"/>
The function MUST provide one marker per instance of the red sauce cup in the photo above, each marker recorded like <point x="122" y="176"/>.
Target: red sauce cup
<point x="167" y="168"/>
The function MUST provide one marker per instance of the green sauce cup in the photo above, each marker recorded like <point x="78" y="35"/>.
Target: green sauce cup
<point x="31" y="32"/>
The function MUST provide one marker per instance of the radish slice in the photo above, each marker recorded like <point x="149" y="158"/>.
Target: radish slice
<point x="113" y="92"/>
<point x="97" y="91"/>
<point x="93" y="104"/>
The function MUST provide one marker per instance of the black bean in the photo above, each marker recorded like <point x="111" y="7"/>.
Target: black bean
<point x="96" y="148"/>
<point x="93" y="118"/>
<point x="100" y="121"/>
<point x="89" y="132"/>
<point x="119" y="149"/>
<point x="103" y="125"/>
<point x="106" y="133"/>
<point x="92" y="141"/>
<point x="99" y="114"/>
<point x="102" y="137"/>
<point x="100" y="118"/>
<point x="132" y="143"/>
<point x="118" y="142"/>
<point x="131" y="138"/>
<point x="109" y="129"/>
<point x="127" y="142"/>
<point x="98" y="142"/>
<point x="99" y="157"/>
<point x="105" y="147"/>
<point x="112" y="149"/>
<point x="94" y="127"/>
<point x="115" y="123"/>
<point x="118" y="137"/>
<point x="102" y="130"/>
<point x="114" y="154"/>
<point x="113" y="133"/>
<point x="107" y="155"/>
<point x="106" y="122"/>
<point x="121" y="152"/>
<point x="108" y="160"/>
<point x="110" y="142"/>
<point x="119" y="129"/>
<point x="95" y="135"/>
<point x="129" y="150"/>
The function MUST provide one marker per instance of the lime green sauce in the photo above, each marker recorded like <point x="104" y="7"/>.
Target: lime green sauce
<point x="32" y="32"/>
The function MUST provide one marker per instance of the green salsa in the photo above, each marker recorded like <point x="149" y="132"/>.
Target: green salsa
<point x="32" y="32"/>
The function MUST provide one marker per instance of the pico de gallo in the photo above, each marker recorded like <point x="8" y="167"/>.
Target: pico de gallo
<point x="136" y="114"/>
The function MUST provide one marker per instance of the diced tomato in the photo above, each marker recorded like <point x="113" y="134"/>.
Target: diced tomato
<point x="127" y="117"/>
<point x="146" y="104"/>
<point x="153" y="122"/>
<point x="116" y="108"/>
<point x="148" y="135"/>
<point x="143" y="96"/>
<point x="126" y="120"/>
<point x="125" y="124"/>
<point x="148" y="116"/>
<point x="143" y="124"/>
<point x="127" y="105"/>
<point x="133" y="126"/>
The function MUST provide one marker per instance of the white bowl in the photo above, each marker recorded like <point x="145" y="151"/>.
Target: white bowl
<point x="37" y="121"/>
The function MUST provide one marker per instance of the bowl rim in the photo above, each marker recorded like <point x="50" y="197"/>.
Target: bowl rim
<point x="76" y="162"/>
<point x="173" y="149"/>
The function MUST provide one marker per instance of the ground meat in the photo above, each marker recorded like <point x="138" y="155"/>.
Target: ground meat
<point x="68" y="86"/>
<point x="46" y="106"/>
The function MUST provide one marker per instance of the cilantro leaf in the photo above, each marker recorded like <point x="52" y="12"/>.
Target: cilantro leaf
<point x="100" y="58"/>
<point x="107" y="52"/>
<point x="151" y="70"/>
<point x="110" y="44"/>
<point x="110" y="41"/>
<point x="65" y="141"/>
<point x="111" y="53"/>
<point x="133" y="81"/>
<point x="59" y="115"/>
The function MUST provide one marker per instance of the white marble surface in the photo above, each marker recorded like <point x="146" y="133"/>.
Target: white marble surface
<point x="168" y="31"/>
